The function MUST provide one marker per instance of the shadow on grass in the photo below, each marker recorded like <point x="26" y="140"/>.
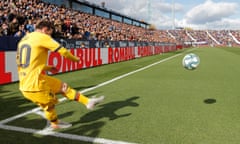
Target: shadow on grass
<point x="92" y="129"/>
<point x="84" y="87"/>
<point x="210" y="101"/>
<point x="90" y="124"/>
<point x="108" y="110"/>
<point x="12" y="103"/>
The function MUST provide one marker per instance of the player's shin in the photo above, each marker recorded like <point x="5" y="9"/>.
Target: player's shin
<point x="72" y="94"/>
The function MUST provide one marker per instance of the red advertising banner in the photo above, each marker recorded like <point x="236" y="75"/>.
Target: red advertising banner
<point x="89" y="57"/>
<point x="5" y="77"/>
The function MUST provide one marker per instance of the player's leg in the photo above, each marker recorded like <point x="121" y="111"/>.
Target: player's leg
<point x="47" y="101"/>
<point x="73" y="94"/>
<point x="51" y="115"/>
<point x="77" y="96"/>
<point x="57" y="86"/>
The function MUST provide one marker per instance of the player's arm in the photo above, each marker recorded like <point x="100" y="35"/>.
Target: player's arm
<point x="53" y="45"/>
<point x="48" y="68"/>
<point x="52" y="69"/>
<point x="67" y="54"/>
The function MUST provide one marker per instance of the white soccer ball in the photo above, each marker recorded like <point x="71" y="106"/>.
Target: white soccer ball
<point x="191" y="61"/>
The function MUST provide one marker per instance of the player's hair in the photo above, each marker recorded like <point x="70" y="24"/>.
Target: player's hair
<point x="45" y="23"/>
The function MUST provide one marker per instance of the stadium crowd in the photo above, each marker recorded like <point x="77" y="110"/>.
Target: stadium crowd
<point x="18" y="17"/>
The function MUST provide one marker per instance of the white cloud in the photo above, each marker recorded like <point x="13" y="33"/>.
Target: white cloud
<point x="131" y="8"/>
<point x="164" y="7"/>
<point x="210" y="12"/>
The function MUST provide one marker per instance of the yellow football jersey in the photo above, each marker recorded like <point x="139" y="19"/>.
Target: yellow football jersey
<point x="32" y="55"/>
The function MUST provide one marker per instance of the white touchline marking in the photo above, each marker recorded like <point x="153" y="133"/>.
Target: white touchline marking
<point x="64" y="135"/>
<point x="69" y="136"/>
<point x="19" y="115"/>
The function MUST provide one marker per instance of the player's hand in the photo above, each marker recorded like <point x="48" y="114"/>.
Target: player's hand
<point x="53" y="70"/>
<point x="77" y="59"/>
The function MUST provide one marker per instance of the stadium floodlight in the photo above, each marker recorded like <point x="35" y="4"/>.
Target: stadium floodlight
<point x="149" y="10"/>
<point x="173" y="14"/>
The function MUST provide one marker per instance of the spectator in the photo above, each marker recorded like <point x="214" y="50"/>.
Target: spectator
<point x="29" y="26"/>
<point x="87" y="34"/>
<point x="13" y="26"/>
<point x="4" y="30"/>
<point x="21" y="32"/>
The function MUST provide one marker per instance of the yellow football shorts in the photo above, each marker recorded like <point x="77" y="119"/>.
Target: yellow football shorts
<point x="46" y="98"/>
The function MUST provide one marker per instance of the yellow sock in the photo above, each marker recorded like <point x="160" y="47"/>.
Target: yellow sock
<point x="50" y="113"/>
<point x="54" y="122"/>
<point x="74" y="95"/>
<point x="83" y="99"/>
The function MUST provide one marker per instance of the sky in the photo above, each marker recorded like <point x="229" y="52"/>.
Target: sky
<point x="168" y="14"/>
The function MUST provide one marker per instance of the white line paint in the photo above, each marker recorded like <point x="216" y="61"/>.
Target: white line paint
<point x="64" y="135"/>
<point x="71" y="136"/>
<point x="19" y="116"/>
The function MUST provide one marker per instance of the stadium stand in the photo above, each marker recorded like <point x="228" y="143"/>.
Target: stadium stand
<point x="18" y="17"/>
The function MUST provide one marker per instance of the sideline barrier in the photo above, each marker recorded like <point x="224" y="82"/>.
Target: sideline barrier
<point x="91" y="53"/>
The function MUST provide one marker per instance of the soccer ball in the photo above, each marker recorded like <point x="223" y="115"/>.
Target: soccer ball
<point x="190" y="61"/>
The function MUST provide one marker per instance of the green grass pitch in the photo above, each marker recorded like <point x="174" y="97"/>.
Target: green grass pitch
<point x="163" y="104"/>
